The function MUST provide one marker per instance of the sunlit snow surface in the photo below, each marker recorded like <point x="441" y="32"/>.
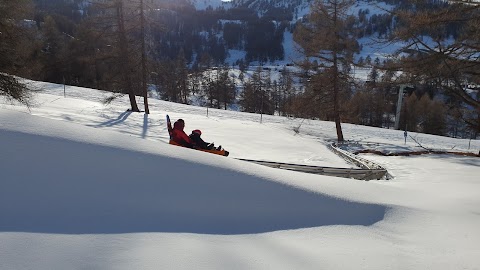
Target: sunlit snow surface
<point x="89" y="186"/>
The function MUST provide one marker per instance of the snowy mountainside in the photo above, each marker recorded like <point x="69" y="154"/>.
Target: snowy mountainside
<point x="289" y="12"/>
<point x="283" y="13"/>
<point x="204" y="4"/>
<point x="298" y="8"/>
<point x="262" y="7"/>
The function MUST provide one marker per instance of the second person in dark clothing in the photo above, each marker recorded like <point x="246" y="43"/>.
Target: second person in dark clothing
<point x="198" y="141"/>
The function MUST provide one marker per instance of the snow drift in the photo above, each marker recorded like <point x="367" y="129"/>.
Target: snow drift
<point x="63" y="186"/>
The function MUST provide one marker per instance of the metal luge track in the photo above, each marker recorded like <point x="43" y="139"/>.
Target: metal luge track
<point x="363" y="163"/>
<point x="360" y="174"/>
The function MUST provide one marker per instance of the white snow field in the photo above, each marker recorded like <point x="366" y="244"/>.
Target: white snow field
<point x="89" y="186"/>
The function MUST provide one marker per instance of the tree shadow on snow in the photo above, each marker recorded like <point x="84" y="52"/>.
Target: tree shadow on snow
<point x="121" y="118"/>
<point x="78" y="188"/>
<point x="145" y="125"/>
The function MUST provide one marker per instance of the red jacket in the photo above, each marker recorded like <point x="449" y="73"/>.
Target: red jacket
<point x="180" y="137"/>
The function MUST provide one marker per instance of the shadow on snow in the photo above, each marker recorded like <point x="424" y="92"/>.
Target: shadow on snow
<point x="120" y="119"/>
<point x="64" y="187"/>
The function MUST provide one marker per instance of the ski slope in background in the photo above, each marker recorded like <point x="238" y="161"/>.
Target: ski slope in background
<point x="89" y="186"/>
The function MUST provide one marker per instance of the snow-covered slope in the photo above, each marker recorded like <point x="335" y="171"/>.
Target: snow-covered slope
<point x="83" y="181"/>
<point x="88" y="186"/>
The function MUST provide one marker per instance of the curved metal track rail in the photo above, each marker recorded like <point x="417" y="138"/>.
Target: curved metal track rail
<point x="360" y="174"/>
<point x="359" y="161"/>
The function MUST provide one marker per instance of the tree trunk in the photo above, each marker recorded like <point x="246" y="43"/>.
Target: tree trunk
<point x="124" y="57"/>
<point x="144" y="60"/>
<point x="336" y="103"/>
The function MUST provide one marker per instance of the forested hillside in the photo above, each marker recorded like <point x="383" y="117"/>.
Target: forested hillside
<point x="237" y="55"/>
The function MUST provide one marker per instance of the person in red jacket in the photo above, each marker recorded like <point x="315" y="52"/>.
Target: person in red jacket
<point x="179" y="136"/>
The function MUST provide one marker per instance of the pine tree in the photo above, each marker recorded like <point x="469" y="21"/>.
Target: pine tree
<point x="286" y="91"/>
<point x="227" y="86"/>
<point x="123" y="29"/>
<point x="124" y="57"/>
<point x="13" y="51"/>
<point x="54" y="52"/>
<point x="257" y="94"/>
<point x="181" y="77"/>
<point x="248" y="98"/>
<point x="446" y="61"/>
<point x="326" y="35"/>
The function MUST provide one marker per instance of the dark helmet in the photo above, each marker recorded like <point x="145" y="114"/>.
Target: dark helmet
<point x="179" y="124"/>
<point x="197" y="131"/>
